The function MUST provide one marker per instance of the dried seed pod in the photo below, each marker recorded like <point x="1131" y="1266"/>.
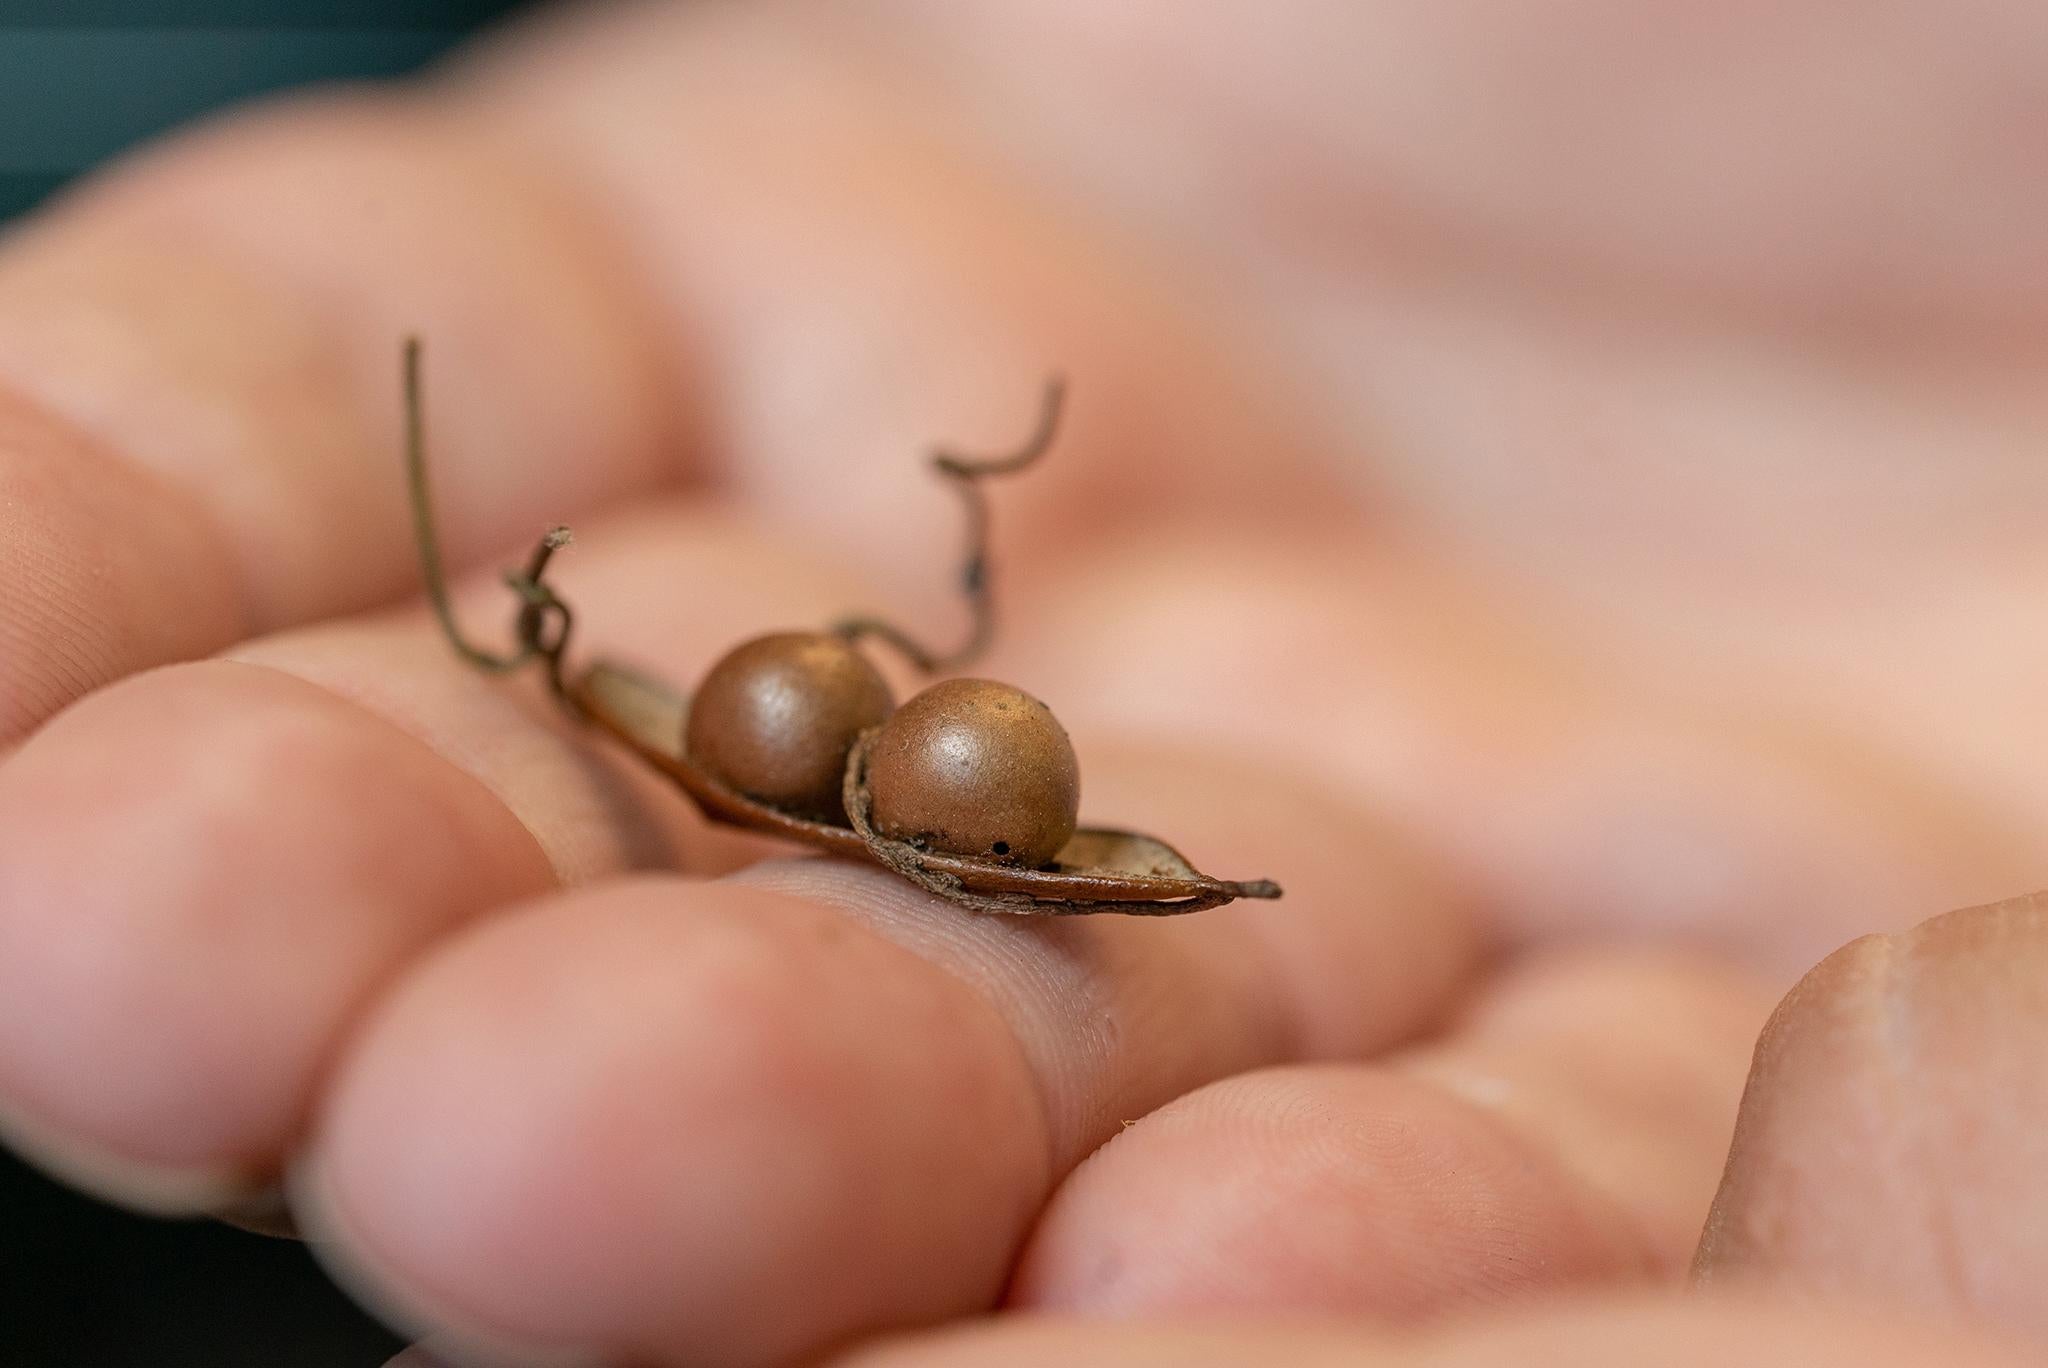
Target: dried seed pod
<point x="1100" y="870"/>
<point x="775" y="718"/>
<point x="994" y="833"/>
<point x="973" y="767"/>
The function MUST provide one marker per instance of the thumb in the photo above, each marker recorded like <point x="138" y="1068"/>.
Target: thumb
<point x="1893" y="1139"/>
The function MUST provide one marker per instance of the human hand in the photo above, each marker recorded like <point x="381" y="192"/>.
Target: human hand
<point x="1332" y="577"/>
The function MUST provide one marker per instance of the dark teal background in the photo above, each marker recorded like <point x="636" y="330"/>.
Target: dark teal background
<point x="81" y="80"/>
<point x="80" y="1283"/>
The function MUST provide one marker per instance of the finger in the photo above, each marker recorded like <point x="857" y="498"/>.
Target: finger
<point x="211" y="867"/>
<point x="1567" y="1131"/>
<point x="1627" y="1064"/>
<point x="208" y="868"/>
<point x="1890" y="1138"/>
<point x="1668" y="1331"/>
<point x="216" y="328"/>
<point x="85" y="608"/>
<point x="739" y="1121"/>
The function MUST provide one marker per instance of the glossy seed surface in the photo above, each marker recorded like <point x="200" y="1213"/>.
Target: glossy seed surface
<point x="775" y="718"/>
<point x="973" y="767"/>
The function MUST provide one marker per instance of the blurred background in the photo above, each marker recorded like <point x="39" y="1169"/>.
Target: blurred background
<point x="80" y="80"/>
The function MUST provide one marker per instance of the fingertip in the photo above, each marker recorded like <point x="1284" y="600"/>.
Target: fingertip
<point x="662" y="1119"/>
<point x="449" y="1337"/>
<point x="146" y="1185"/>
<point x="209" y="870"/>
<point x="1888" y="1139"/>
<point x="1330" y="1190"/>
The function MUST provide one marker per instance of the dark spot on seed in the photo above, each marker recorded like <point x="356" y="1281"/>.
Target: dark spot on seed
<point x="1001" y="847"/>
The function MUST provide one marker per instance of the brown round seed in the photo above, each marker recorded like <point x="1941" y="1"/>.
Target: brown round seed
<point x="776" y="717"/>
<point x="972" y="767"/>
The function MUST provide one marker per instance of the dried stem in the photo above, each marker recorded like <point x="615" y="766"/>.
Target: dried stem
<point x="966" y="473"/>
<point x="543" y="622"/>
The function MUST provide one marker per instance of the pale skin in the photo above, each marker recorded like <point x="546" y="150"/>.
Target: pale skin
<point x="1561" y="493"/>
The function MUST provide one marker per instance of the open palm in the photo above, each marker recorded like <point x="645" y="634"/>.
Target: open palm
<point x="1560" y="504"/>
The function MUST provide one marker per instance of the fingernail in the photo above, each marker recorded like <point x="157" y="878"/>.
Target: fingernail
<point x="157" y="1189"/>
<point x="265" y="1212"/>
<point x="448" y="1339"/>
<point x="418" y="1357"/>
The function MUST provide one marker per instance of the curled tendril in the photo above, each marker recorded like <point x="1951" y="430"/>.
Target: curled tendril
<point x="965" y="474"/>
<point x="543" y="622"/>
